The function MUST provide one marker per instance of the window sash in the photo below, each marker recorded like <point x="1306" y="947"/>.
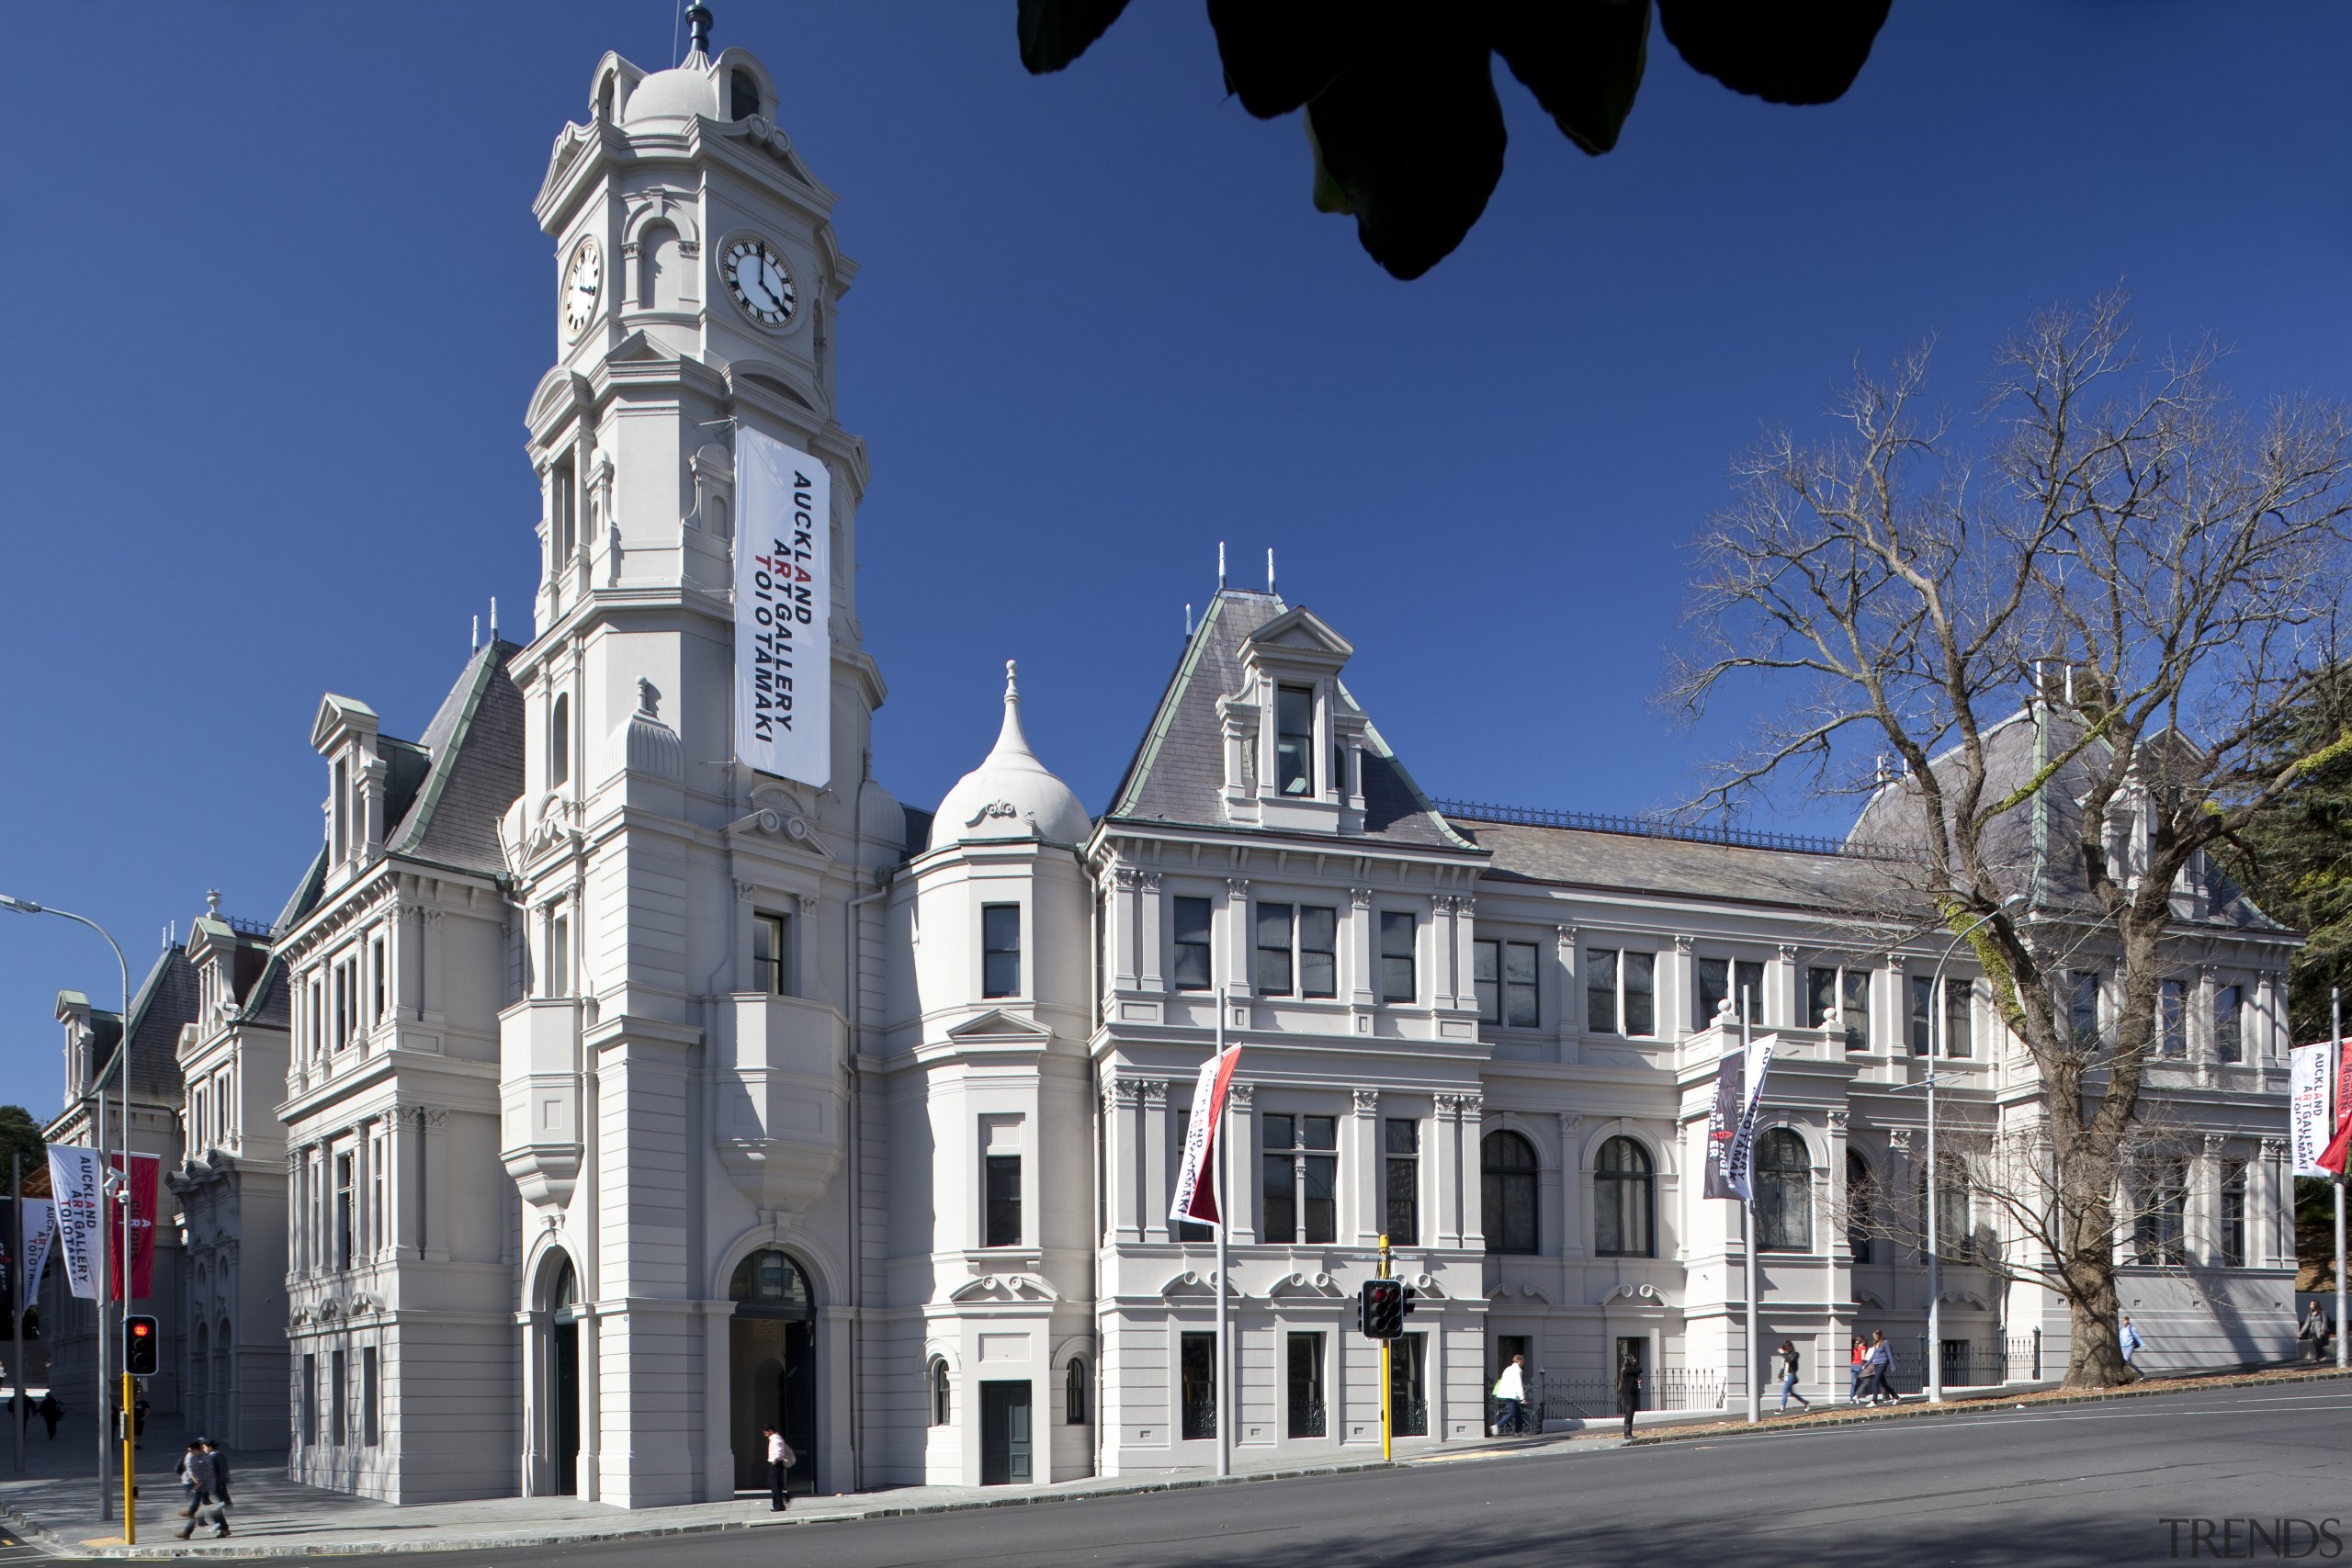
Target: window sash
<point x="1601" y="989"/>
<point x="1274" y="967"/>
<point x="1294" y="740"/>
<point x="1319" y="954"/>
<point x="2172" y="1014"/>
<point x="1190" y="923"/>
<point x="1000" y="950"/>
<point x="768" y="953"/>
<point x="1403" y="1206"/>
<point x="1640" y="974"/>
<point x="2234" y="1207"/>
<point x="1621" y="1208"/>
<point x="1520" y="985"/>
<point x="1398" y="981"/>
<point x="1486" y="978"/>
<point x="1723" y="979"/>
<point x="1960" y="1029"/>
<point x="2229" y="1023"/>
<point x="1004" y="1201"/>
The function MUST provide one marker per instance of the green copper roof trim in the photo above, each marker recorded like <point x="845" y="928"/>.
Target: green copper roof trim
<point x="420" y="818"/>
<point x="1133" y="784"/>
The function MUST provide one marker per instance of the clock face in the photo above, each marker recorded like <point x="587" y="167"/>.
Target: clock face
<point x="756" y="276"/>
<point x="583" y="281"/>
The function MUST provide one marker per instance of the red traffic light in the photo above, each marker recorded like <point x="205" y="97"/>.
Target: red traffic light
<point x="140" y="1348"/>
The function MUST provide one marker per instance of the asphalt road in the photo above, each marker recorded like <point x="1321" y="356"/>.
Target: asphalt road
<point x="2089" y="1484"/>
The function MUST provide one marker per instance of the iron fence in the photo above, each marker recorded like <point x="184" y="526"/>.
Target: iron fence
<point x="1561" y="1397"/>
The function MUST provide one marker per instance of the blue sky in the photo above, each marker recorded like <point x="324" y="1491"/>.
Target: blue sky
<point x="278" y="300"/>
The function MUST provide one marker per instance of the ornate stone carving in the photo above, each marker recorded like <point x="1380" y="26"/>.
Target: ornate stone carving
<point x="1360" y="898"/>
<point x="1367" y="1102"/>
<point x="1239" y="887"/>
<point x="1154" y="1090"/>
<point x="1146" y="882"/>
<point x="1239" y="1095"/>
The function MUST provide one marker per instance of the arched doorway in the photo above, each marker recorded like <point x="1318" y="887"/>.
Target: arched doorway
<point x="562" y="1303"/>
<point x="773" y="1338"/>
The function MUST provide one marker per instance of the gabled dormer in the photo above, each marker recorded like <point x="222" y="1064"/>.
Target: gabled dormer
<point x="345" y="734"/>
<point x="1293" y="740"/>
<point x="80" y="1022"/>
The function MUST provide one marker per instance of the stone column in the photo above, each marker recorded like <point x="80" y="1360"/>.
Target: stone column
<point x="1158" y="1184"/>
<point x="1146" y="942"/>
<point x="1363" y="1133"/>
<point x="1360" y="953"/>
<point x="433" y="1131"/>
<point x="1232" y="942"/>
<point x="1242" y="1137"/>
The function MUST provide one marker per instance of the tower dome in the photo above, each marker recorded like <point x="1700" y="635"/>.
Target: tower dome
<point x="1010" y="794"/>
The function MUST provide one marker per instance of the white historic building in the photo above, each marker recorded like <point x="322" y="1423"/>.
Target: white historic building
<point x="630" y="1100"/>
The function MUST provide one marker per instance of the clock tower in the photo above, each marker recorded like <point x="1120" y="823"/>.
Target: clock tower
<point x="674" y="1081"/>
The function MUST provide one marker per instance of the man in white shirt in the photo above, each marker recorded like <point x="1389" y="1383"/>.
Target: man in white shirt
<point x="780" y="1458"/>
<point x="1511" y="1390"/>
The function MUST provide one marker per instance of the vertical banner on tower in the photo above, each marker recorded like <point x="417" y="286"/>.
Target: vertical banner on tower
<point x="2310" y="1122"/>
<point x="74" y="1188"/>
<point x="144" y="1174"/>
<point x="1196" y="1193"/>
<point x="784" y="653"/>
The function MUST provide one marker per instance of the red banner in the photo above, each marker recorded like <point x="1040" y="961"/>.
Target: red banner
<point x="146" y="1172"/>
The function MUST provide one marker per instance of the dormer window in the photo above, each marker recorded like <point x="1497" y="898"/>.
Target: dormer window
<point x="342" y="808"/>
<point x="1295" y="741"/>
<point x="743" y="94"/>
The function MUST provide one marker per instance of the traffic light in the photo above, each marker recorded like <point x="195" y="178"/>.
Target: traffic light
<point x="1381" y="1309"/>
<point x="139" y="1346"/>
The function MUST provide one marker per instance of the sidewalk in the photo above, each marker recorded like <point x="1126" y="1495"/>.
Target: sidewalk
<point x="54" y="1506"/>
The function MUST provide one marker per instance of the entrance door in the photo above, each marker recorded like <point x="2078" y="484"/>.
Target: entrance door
<point x="565" y="1352"/>
<point x="1004" y="1434"/>
<point x="773" y="1345"/>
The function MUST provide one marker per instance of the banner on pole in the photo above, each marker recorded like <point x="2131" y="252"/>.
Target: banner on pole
<point x="784" y="653"/>
<point x="1736" y="1170"/>
<point x="1196" y="1193"/>
<point x="2332" y="1159"/>
<point x="73" y="1188"/>
<point x="2309" y="1123"/>
<point x="1722" y="1127"/>
<point x="145" y="1175"/>
<point x="37" y="1240"/>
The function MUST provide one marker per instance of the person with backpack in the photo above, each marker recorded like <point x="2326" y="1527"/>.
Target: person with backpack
<point x="2131" y="1342"/>
<point x="1787" y="1358"/>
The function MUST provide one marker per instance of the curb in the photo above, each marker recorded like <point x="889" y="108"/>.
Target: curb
<point x="35" y="1535"/>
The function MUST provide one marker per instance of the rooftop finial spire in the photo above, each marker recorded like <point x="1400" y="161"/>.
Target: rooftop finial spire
<point x="1012" y="682"/>
<point x="698" y="29"/>
<point x="1220" y="566"/>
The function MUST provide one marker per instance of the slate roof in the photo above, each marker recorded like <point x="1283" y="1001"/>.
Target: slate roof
<point x="464" y="772"/>
<point x="1627" y="862"/>
<point x="269" y="1001"/>
<point x="1177" y="774"/>
<point x="165" y="1001"/>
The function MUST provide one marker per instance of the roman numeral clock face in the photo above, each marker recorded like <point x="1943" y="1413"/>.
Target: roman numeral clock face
<point x="583" y="281"/>
<point x="756" y="276"/>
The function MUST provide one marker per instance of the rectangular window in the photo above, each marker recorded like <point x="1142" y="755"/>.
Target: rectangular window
<point x="310" y="1399"/>
<point x="1196" y="1391"/>
<point x="770" y="956"/>
<point x="341" y="809"/>
<point x="1274" y="977"/>
<point x="1294" y="740"/>
<point x="1487" y="976"/>
<point x="376" y="1176"/>
<point x="1319" y="951"/>
<point x="1504" y="974"/>
<point x="1004" y="1201"/>
<point x="1000" y="950"/>
<point x="1191" y="923"/>
<point x="342" y="1229"/>
<point x="1301" y="1180"/>
<point x="1846" y="991"/>
<point x="339" y="1432"/>
<point x="1640" y="970"/>
<point x="1922" y="1014"/>
<point x="2233" y="1213"/>
<point x="2082" y="1008"/>
<point x="2172" y="1019"/>
<point x="1397" y="982"/>
<point x="1306" y="1370"/>
<point x="371" y="1430"/>
<point x="375" y="962"/>
<point x="2161" y="1223"/>
<point x="1408" y="1396"/>
<point x="1404" y="1191"/>
<point x="2229" y="1029"/>
<point x="1960" y="1034"/>
<point x="1721" y="980"/>
<point x="1601" y="989"/>
<point x="559" y="951"/>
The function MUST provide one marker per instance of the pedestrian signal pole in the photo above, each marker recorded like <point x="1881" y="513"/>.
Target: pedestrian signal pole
<point x="1387" y="1388"/>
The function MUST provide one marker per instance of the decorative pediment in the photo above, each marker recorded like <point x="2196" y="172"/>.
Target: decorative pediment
<point x="996" y="1024"/>
<point x="1193" y="1282"/>
<point x="1313" y="1286"/>
<point x="1299" y="636"/>
<point x="1639" y="1294"/>
<point x="1005" y="1288"/>
<point x="338" y="716"/>
<point x="776" y="813"/>
<point x="1504" y="1292"/>
<point x="1964" y="1298"/>
<point x="1869" y="1298"/>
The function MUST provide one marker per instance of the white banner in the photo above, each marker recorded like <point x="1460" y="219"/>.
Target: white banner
<point x="784" y="649"/>
<point x="74" y="1188"/>
<point x="1758" y="1061"/>
<point x="2309" y="1125"/>
<point x="36" y="1235"/>
<point x="1197" y="1197"/>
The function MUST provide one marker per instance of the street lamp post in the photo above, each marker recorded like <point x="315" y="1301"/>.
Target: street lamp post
<point x="122" y="1190"/>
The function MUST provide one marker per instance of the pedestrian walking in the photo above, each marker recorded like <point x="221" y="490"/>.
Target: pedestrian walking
<point x="2132" y="1342"/>
<point x="2315" y="1332"/>
<point x="780" y="1458"/>
<point x="50" y="1413"/>
<point x="1879" y="1369"/>
<point x="1629" y="1389"/>
<point x="1511" y="1388"/>
<point x="221" y="1500"/>
<point x="186" y="1477"/>
<point x="1787" y="1356"/>
<point x="1854" y="1372"/>
<point x="199" y="1479"/>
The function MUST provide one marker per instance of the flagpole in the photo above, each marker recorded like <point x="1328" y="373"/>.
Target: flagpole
<point x="1748" y="1230"/>
<point x="1224" y="1223"/>
<point x="17" y="1299"/>
<point x="2336" y="1012"/>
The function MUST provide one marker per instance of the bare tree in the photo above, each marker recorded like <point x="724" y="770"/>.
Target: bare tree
<point x="2076" y="624"/>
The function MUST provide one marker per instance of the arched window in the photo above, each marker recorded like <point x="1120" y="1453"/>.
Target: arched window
<point x="770" y="1284"/>
<point x="1858" y="1207"/>
<point x="1784" y="1193"/>
<point x="1074" y="1392"/>
<point x="661" y="272"/>
<point x="1624" y="1206"/>
<point x="941" y="1410"/>
<point x="1506" y="1192"/>
<point x="743" y="94"/>
<point x="563" y="1287"/>
<point x="560" y="742"/>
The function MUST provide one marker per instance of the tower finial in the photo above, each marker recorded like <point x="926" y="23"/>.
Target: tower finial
<point x="1220" y="566"/>
<point x="1270" y="568"/>
<point x="698" y="29"/>
<point x="1011" y="683"/>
